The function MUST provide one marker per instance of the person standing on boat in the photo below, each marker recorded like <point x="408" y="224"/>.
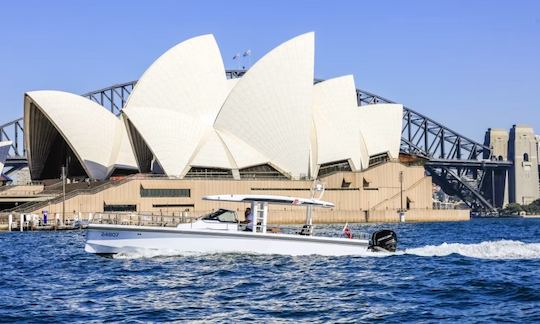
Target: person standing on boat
<point x="248" y="216"/>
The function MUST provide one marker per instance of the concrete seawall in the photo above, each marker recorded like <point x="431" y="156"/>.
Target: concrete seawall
<point x="373" y="216"/>
<point x="276" y="217"/>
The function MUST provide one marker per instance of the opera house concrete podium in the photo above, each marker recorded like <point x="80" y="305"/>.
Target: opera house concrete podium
<point x="187" y="131"/>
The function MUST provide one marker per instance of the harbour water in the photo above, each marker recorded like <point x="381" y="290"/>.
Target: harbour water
<point x="481" y="270"/>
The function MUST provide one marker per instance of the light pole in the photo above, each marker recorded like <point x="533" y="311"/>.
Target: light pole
<point x="401" y="190"/>
<point x="401" y="210"/>
<point x="63" y="195"/>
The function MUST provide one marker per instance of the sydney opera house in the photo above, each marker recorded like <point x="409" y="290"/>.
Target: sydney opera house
<point x="185" y="118"/>
<point x="187" y="130"/>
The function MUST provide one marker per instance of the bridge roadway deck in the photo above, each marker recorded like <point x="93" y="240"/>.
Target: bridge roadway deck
<point x="483" y="164"/>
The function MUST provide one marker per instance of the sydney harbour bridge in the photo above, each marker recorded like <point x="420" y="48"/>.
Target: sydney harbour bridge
<point x="460" y="166"/>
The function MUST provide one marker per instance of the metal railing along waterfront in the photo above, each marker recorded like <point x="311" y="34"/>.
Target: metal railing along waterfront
<point x="33" y="222"/>
<point x="80" y="220"/>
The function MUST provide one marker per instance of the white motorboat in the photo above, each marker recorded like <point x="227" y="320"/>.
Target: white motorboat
<point x="221" y="232"/>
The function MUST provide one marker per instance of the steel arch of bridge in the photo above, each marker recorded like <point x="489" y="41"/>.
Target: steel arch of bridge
<point x="453" y="160"/>
<point x="14" y="131"/>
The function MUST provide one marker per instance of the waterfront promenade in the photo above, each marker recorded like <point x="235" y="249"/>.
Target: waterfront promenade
<point x="34" y="222"/>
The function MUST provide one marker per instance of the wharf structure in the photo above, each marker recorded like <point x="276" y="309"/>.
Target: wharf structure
<point x="187" y="130"/>
<point x="372" y="195"/>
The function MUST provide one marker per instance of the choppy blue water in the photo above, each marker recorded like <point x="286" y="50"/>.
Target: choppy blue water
<point x="482" y="270"/>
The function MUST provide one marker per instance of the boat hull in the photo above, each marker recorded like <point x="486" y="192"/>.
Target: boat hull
<point x="114" y="239"/>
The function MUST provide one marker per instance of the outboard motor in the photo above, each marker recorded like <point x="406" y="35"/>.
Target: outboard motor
<point x="383" y="240"/>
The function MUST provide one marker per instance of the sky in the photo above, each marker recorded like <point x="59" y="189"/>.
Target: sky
<point x="468" y="64"/>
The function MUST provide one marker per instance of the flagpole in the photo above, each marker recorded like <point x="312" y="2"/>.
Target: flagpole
<point x="235" y="58"/>
<point x="247" y="54"/>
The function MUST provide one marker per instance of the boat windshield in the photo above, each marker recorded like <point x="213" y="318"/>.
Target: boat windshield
<point x="222" y="215"/>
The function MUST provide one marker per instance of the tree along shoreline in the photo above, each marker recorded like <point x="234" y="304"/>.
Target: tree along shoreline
<point x="519" y="209"/>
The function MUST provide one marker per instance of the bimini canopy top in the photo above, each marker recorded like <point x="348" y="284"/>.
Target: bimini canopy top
<point x="271" y="199"/>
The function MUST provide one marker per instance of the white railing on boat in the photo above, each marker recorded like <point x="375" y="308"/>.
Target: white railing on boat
<point x="34" y="221"/>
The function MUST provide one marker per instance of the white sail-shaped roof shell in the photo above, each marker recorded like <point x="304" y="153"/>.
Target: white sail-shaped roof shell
<point x="184" y="113"/>
<point x="212" y="152"/>
<point x="222" y="150"/>
<point x="381" y="126"/>
<point x="176" y="100"/>
<point x="122" y="155"/>
<point x="269" y="109"/>
<point x="338" y="133"/>
<point x="96" y="136"/>
<point x="244" y="155"/>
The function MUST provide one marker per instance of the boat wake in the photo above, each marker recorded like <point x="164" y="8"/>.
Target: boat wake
<point x="491" y="250"/>
<point x="495" y="250"/>
<point x="154" y="253"/>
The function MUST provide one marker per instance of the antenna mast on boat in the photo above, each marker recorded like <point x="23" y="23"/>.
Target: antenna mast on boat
<point x="317" y="191"/>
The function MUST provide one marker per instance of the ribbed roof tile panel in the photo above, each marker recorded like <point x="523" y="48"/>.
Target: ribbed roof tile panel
<point x="270" y="107"/>
<point x="88" y="128"/>
<point x="212" y="152"/>
<point x="176" y="100"/>
<point x="171" y="136"/>
<point x="243" y="154"/>
<point x="122" y="153"/>
<point x="338" y="134"/>
<point x="381" y="125"/>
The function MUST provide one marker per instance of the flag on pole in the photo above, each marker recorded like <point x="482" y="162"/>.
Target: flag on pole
<point x="346" y="231"/>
